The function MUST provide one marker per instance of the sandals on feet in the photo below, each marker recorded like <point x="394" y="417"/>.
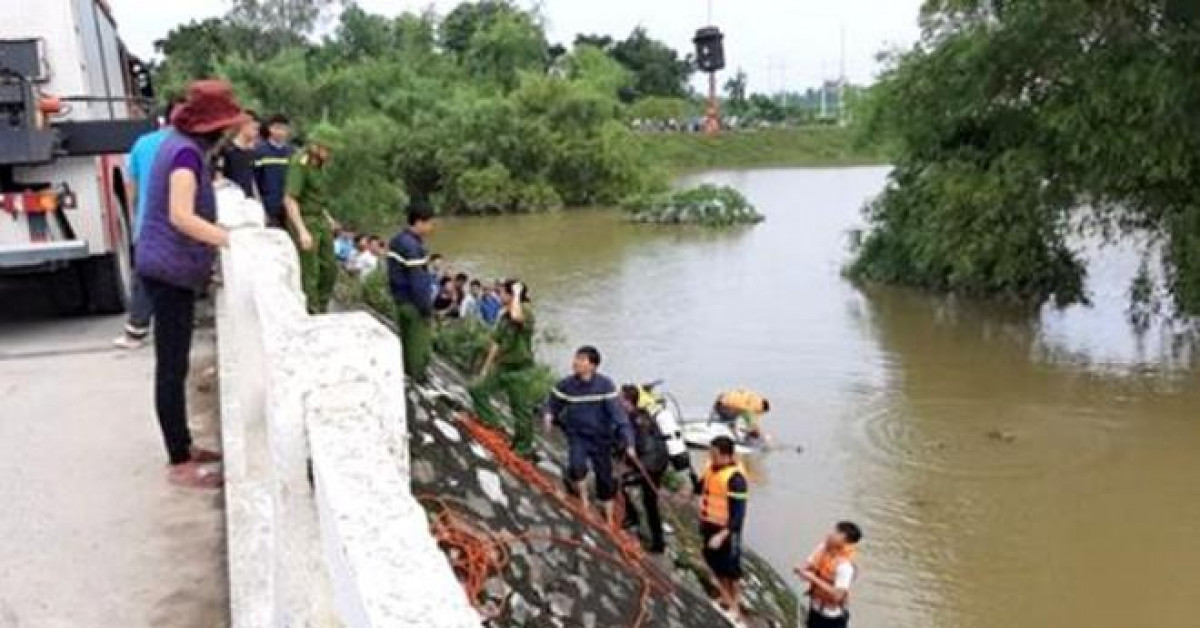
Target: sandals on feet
<point x="193" y="475"/>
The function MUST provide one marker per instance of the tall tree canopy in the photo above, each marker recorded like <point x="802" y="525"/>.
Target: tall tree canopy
<point x="461" y="111"/>
<point x="657" y="68"/>
<point x="1019" y="124"/>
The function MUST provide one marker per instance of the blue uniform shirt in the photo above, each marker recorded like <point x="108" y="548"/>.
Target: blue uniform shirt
<point x="590" y="410"/>
<point x="408" y="272"/>
<point x="141" y="158"/>
<point x="489" y="308"/>
<point x="270" y="172"/>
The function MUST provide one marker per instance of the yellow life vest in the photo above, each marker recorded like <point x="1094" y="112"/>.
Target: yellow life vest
<point x="742" y="400"/>
<point x="714" y="503"/>
<point x="648" y="402"/>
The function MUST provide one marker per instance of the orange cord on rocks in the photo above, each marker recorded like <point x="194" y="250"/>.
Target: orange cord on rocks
<point x="477" y="554"/>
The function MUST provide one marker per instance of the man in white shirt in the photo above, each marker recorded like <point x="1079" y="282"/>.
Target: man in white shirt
<point x="830" y="571"/>
<point x="365" y="259"/>
<point x="468" y="310"/>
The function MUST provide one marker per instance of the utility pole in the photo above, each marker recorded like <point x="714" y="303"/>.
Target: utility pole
<point x="842" y="81"/>
<point x="712" y="119"/>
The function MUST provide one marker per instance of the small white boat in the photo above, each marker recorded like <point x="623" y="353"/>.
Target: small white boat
<point x="700" y="434"/>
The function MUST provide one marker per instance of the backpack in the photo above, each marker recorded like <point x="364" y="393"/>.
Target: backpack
<point x="650" y="445"/>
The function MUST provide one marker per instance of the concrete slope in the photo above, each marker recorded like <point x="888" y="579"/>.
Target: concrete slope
<point x="559" y="572"/>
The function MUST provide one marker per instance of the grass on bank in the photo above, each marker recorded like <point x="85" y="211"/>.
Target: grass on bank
<point x="759" y="148"/>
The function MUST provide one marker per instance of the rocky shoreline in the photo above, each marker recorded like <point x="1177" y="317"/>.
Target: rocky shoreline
<point x="559" y="571"/>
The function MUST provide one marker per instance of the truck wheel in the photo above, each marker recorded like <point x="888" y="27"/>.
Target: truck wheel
<point x="107" y="277"/>
<point x="107" y="286"/>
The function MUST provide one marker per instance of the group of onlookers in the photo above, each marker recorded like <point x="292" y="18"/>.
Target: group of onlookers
<point x="202" y="139"/>
<point x="207" y="136"/>
<point x="458" y="296"/>
<point x="357" y="253"/>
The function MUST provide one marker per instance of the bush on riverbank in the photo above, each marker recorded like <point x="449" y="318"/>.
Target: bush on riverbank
<point x="760" y="148"/>
<point x="706" y="205"/>
<point x="1002" y="170"/>
<point x="473" y="111"/>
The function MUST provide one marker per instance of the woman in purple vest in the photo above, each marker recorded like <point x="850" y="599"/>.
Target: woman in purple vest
<point x="176" y="249"/>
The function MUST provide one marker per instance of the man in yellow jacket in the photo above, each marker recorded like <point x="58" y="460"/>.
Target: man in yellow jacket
<point x="742" y="406"/>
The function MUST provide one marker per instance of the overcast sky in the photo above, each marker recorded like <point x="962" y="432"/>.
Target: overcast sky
<point x="780" y="43"/>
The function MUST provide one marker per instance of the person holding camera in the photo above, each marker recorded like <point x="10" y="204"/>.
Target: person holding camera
<point x="509" y="369"/>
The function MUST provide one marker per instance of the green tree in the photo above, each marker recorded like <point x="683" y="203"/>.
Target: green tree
<point x="505" y="46"/>
<point x="735" y="92"/>
<point x="593" y="67"/>
<point x="478" y="128"/>
<point x="1017" y="124"/>
<point x="657" y="68"/>
<point x="603" y="42"/>
<point x="290" y="16"/>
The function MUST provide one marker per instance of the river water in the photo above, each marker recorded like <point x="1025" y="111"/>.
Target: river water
<point x="1008" y="468"/>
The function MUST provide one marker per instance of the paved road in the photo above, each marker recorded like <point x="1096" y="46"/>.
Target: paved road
<point x="92" y="535"/>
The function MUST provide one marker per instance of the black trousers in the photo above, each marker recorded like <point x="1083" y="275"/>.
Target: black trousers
<point x="174" y="322"/>
<point x="649" y="504"/>
<point x="817" y="620"/>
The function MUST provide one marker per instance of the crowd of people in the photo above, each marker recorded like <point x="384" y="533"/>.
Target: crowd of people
<point x="357" y="253"/>
<point x="622" y="438"/>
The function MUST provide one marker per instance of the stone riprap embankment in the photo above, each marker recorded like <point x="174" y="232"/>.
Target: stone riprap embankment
<point x="561" y="572"/>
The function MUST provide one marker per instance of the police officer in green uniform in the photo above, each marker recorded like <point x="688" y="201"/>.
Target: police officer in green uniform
<point x="510" y="369"/>
<point x="308" y="201"/>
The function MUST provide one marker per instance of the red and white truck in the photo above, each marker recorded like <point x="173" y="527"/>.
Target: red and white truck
<point x="72" y="102"/>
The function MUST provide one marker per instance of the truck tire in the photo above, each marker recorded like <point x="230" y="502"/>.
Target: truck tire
<point x="108" y="277"/>
<point x="105" y="277"/>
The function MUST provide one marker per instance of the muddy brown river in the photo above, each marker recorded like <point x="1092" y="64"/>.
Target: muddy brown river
<point x="1008" y="468"/>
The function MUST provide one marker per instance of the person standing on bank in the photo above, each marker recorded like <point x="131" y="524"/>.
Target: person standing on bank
<point x="175" y="259"/>
<point x="410" y="283"/>
<point x="237" y="157"/>
<point x="654" y="458"/>
<point x="271" y="161"/>
<point x="137" y="187"/>
<point x="509" y="369"/>
<point x="586" y="406"/>
<point x="722" y="514"/>
<point x="830" y="571"/>
<point x="307" y="202"/>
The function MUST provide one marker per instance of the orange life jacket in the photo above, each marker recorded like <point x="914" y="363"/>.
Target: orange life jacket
<point x="714" y="503"/>
<point x="825" y="566"/>
<point x="742" y="400"/>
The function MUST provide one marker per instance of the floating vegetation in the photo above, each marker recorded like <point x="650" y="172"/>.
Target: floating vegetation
<point x="706" y="205"/>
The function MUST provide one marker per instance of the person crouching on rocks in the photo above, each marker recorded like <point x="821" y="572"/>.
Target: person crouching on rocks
<point x="586" y="406"/>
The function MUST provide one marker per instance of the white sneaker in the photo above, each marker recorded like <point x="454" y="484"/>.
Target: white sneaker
<point x="125" y="341"/>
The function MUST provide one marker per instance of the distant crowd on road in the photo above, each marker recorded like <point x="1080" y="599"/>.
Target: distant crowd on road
<point x="207" y="137"/>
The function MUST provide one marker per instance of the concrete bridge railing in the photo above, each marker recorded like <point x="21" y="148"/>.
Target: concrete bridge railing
<point x="322" y="527"/>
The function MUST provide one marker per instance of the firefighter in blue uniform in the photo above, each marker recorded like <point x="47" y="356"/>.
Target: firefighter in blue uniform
<point x="587" y="408"/>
